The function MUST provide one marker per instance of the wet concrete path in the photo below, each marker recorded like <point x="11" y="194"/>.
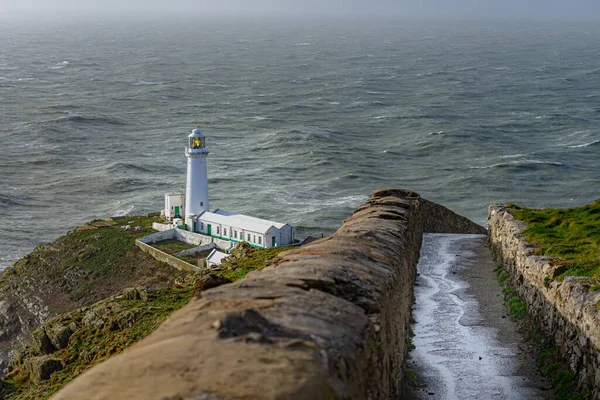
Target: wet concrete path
<point x="466" y="346"/>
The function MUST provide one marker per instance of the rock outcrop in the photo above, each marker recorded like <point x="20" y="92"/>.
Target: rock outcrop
<point x="85" y="266"/>
<point x="327" y="320"/>
<point x="567" y="311"/>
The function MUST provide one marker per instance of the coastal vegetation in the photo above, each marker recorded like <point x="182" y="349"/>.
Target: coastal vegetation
<point x="569" y="235"/>
<point x="92" y="335"/>
<point x="550" y="363"/>
<point x="517" y="308"/>
<point x="99" y="261"/>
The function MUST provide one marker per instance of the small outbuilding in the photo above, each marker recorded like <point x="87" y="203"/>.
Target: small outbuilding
<point x="215" y="257"/>
<point x="174" y="205"/>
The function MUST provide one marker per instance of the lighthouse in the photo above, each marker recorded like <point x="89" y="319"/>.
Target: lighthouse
<point x="196" y="186"/>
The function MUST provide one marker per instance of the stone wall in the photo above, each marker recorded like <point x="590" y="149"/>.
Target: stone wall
<point x="566" y="311"/>
<point x="327" y="320"/>
<point x="167" y="258"/>
<point x="195" y="250"/>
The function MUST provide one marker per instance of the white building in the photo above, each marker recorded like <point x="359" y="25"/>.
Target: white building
<point x="219" y="224"/>
<point x="174" y="205"/>
<point x="215" y="258"/>
<point x="238" y="227"/>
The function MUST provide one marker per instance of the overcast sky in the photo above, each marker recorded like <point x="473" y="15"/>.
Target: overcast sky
<point x="522" y="9"/>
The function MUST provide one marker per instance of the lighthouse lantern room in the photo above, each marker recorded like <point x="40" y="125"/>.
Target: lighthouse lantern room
<point x="196" y="187"/>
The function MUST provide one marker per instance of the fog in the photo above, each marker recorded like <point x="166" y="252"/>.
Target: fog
<point x="401" y="9"/>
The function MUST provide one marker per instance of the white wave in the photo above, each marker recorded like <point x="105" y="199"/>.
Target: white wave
<point x="351" y="201"/>
<point x="144" y="83"/>
<point x="576" y="146"/>
<point x="436" y="133"/>
<point x="518" y="163"/>
<point x="258" y="118"/>
<point x="501" y="68"/>
<point x="381" y="117"/>
<point x="512" y="155"/>
<point x="121" y="212"/>
<point x="302" y="44"/>
<point x="334" y="103"/>
<point x="7" y="79"/>
<point x="60" y="65"/>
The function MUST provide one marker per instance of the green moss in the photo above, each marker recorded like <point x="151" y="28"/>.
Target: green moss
<point x="563" y="380"/>
<point x="517" y="308"/>
<point x="255" y="260"/>
<point x="91" y="344"/>
<point x="172" y="246"/>
<point x="570" y="235"/>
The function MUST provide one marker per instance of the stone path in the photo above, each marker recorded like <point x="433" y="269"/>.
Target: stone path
<point x="466" y="346"/>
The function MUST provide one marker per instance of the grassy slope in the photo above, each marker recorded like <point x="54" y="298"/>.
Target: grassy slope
<point x="571" y="235"/>
<point x="256" y="259"/>
<point x="92" y="344"/>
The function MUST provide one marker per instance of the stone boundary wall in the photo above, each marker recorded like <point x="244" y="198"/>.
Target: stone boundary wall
<point x="157" y="226"/>
<point x="327" y="320"/>
<point x="567" y="312"/>
<point x="167" y="258"/>
<point x="195" y="250"/>
<point x="185" y="236"/>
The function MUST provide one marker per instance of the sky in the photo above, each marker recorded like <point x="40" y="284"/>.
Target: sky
<point x="419" y="9"/>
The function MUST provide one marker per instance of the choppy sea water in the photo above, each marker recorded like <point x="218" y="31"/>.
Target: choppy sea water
<point x="303" y="118"/>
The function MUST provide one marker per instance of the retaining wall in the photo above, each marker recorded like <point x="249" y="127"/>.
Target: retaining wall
<point x="566" y="311"/>
<point x="195" y="250"/>
<point x="324" y="321"/>
<point x="167" y="258"/>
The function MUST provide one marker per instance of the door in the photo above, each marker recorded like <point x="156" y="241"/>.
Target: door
<point x="177" y="212"/>
<point x="209" y="229"/>
<point x="273" y="241"/>
<point x="194" y="228"/>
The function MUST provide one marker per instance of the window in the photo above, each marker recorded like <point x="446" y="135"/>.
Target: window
<point x="254" y="238"/>
<point x="201" y="226"/>
<point x="218" y="230"/>
<point x="196" y="142"/>
<point x="260" y="240"/>
<point x="235" y="234"/>
<point x="248" y="237"/>
<point x="224" y="231"/>
<point x="201" y="204"/>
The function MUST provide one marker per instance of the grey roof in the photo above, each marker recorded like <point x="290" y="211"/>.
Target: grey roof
<point x="239" y="221"/>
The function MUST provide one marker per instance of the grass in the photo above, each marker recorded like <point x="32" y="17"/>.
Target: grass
<point x="90" y="344"/>
<point x="172" y="246"/>
<point x="563" y="380"/>
<point x="95" y="252"/>
<point x="549" y="361"/>
<point x="517" y="308"/>
<point x="569" y="235"/>
<point x="255" y="260"/>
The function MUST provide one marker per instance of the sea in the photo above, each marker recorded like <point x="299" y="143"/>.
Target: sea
<point x="304" y="118"/>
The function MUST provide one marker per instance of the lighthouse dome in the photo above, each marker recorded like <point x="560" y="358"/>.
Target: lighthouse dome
<point x="196" y="133"/>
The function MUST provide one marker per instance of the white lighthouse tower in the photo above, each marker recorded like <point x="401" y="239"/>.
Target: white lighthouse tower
<point x="196" y="186"/>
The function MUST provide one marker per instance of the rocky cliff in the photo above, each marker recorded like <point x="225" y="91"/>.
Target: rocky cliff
<point x="324" y="321"/>
<point x="89" y="264"/>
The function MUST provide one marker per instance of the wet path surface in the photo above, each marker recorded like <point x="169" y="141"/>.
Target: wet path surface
<point x="466" y="346"/>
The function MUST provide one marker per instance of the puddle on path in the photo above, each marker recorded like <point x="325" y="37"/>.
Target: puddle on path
<point x="466" y="346"/>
